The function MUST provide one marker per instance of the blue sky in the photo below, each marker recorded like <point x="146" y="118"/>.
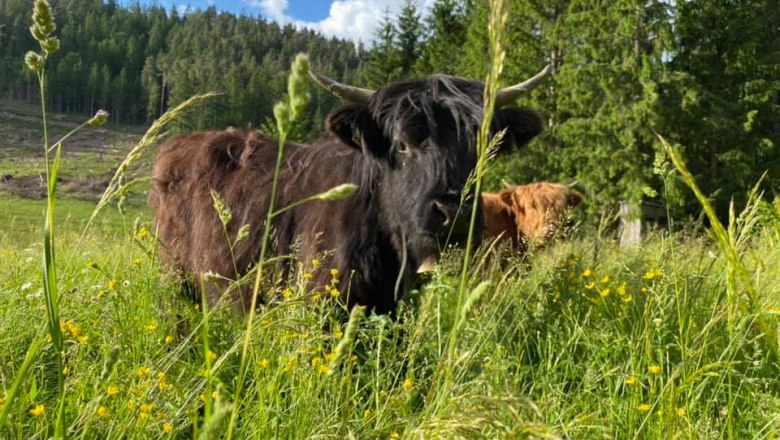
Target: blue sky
<point x="350" y="19"/>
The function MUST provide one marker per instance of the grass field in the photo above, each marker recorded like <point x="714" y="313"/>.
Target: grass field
<point x="590" y="341"/>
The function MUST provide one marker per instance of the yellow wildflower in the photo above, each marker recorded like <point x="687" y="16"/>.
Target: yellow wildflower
<point x="83" y="339"/>
<point x="287" y="294"/>
<point x="605" y="280"/>
<point x="143" y="372"/>
<point x="323" y="369"/>
<point x="654" y="369"/>
<point x="167" y="427"/>
<point x="626" y="298"/>
<point x="264" y="363"/>
<point x="338" y="334"/>
<point x="316" y="361"/>
<point x="680" y="412"/>
<point x="112" y="391"/>
<point x="111" y="284"/>
<point x="163" y="385"/>
<point x="334" y="292"/>
<point x="315" y="262"/>
<point x="103" y="412"/>
<point x="334" y="272"/>
<point x="169" y="339"/>
<point x="643" y="407"/>
<point x="367" y="413"/>
<point x="604" y="293"/>
<point x="587" y="273"/>
<point x="211" y="356"/>
<point x="37" y="411"/>
<point x="591" y="285"/>
<point x="142" y="233"/>
<point x="408" y="385"/>
<point x="136" y="262"/>
<point x="621" y="289"/>
<point x="146" y="408"/>
<point x="395" y="436"/>
<point x="653" y="274"/>
<point x="632" y="380"/>
<point x="316" y="297"/>
<point x="152" y="326"/>
<point x="643" y="289"/>
<point x="307" y="276"/>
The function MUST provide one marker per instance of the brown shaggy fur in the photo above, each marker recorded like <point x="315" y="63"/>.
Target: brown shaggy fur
<point x="527" y="213"/>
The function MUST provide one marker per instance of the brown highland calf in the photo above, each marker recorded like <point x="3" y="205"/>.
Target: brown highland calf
<point x="527" y="213"/>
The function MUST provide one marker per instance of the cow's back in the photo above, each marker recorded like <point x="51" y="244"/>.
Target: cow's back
<point x="238" y="167"/>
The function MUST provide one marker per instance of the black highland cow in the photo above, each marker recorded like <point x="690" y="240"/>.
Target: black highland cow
<point x="409" y="146"/>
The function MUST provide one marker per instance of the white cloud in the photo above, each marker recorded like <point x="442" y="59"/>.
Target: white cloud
<point x="354" y="20"/>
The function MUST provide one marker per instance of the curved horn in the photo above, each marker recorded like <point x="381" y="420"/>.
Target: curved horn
<point x="349" y="93"/>
<point x="509" y="94"/>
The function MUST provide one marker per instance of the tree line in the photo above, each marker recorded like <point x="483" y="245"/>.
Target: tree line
<point x="136" y="62"/>
<point x="703" y="73"/>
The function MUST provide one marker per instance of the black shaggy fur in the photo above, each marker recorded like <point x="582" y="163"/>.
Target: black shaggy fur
<point x="410" y="151"/>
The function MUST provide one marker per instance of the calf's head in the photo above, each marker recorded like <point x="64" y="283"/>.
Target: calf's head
<point x="538" y="208"/>
<point x="420" y="140"/>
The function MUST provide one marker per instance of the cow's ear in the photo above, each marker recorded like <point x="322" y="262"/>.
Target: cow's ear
<point x="355" y="127"/>
<point x="522" y="124"/>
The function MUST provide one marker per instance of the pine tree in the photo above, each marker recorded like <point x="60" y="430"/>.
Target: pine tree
<point x="408" y="36"/>
<point x="382" y="64"/>
<point x="447" y="26"/>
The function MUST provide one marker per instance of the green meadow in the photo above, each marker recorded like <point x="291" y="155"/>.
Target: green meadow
<point x="676" y="337"/>
<point x="583" y="340"/>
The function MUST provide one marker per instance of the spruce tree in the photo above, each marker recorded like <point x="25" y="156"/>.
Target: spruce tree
<point x="382" y="61"/>
<point x="447" y="26"/>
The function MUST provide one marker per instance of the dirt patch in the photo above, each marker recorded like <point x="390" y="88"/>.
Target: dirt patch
<point x="89" y="157"/>
<point x="34" y="187"/>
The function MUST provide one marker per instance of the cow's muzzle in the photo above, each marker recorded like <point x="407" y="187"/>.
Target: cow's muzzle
<point x="451" y="219"/>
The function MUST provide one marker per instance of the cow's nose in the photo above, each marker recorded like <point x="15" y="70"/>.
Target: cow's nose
<point x="442" y="214"/>
<point x="451" y="218"/>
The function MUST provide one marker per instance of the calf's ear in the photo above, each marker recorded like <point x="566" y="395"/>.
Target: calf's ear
<point x="522" y="125"/>
<point x="509" y="198"/>
<point x="574" y="199"/>
<point x="354" y="125"/>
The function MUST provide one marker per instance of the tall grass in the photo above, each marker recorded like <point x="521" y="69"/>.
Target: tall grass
<point x="673" y="339"/>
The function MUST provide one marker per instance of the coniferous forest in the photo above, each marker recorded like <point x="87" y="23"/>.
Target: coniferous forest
<point x="704" y="74"/>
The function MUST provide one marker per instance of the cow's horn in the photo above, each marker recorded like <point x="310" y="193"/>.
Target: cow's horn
<point x="349" y="93"/>
<point x="509" y="94"/>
